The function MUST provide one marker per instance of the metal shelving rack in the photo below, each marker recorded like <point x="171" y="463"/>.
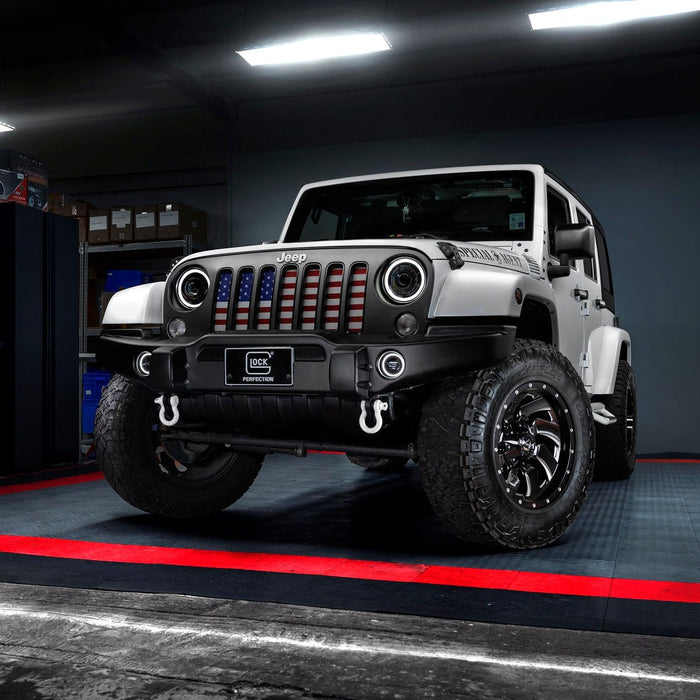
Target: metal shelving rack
<point x="164" y="250"/>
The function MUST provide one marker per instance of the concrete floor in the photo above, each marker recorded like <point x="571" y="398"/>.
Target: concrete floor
<point x="58" y="643"/>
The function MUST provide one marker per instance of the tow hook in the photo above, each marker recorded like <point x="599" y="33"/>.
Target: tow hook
<point x="376" y="406"/>
<point x="173" y="400"/>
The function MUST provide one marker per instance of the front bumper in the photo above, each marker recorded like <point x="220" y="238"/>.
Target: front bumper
<point x="320" y="366"/>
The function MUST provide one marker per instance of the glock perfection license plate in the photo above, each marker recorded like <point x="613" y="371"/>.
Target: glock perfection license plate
<point x="259" y="366"/>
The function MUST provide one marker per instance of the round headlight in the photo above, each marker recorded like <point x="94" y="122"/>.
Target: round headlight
<point x="403" y="280"/>
<point x="191" y="289"/>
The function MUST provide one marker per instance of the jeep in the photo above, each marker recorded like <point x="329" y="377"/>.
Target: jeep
<point x="462" y="318"/>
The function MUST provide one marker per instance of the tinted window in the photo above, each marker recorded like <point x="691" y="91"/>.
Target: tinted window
<point x="605" y="276"/>
<point x="487" y="206"/>
<point x="557" y="213"/>
<point x="557" y="210"/>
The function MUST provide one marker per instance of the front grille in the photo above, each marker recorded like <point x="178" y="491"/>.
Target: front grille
<point x="291" y="298"/>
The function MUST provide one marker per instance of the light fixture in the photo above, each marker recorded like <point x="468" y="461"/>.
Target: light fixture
<point x="316" y="49"/>
<point x="601" y="14"/>
<point x="6" y="127"/>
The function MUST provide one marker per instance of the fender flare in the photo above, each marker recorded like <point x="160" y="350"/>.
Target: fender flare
<point x="141" y="305"/>
<point x="606" y="346"/>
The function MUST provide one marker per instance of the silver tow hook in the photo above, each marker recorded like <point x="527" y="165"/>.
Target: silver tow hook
<point x="377" y="406"/>
<point x="174" y="400"/>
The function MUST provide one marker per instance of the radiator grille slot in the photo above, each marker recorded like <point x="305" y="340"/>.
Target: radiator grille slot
<point x="294" y="297"/>
<point x="356" y="298"/>
<point x="223" y="298"/>
<point x="265" y="293"/>
<point x="309" y="297"/>
<point x="287" y="298"/>
<point x="332" y="298"/>
<point x="243" y="296"/>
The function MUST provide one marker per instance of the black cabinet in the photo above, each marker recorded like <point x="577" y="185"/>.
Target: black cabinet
<point x="39" y="338"/>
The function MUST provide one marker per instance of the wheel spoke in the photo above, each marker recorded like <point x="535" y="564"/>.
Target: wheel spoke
<point x="536" y="405"/>
<point x="547" y="429"/>
<point x="547" y="460"/>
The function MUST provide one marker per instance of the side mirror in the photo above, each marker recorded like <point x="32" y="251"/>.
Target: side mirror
<point x="571" y="242"/>
<point x="576" y="241"/>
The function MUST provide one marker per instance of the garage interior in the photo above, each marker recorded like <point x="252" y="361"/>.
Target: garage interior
<point x="327" y="580"/>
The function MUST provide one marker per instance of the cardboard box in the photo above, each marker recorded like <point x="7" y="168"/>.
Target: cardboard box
<point x="146" y="223"/>
<point x="121" y="224"/>
<point x="37" y="174"/>
<point x="98" y="226"/>
<point x="177" y="220"/>
<point x="13" y="187"/>
<point x="65" y="205"/>
<point x="24" y="164"/>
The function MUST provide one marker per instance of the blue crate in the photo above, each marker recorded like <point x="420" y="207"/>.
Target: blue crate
<point x="93" y="384"/>
<point x="123" y="279"/>
<point x="88" y="416"/>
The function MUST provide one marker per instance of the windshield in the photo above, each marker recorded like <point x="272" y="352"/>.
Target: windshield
<point x="477" y="206"/>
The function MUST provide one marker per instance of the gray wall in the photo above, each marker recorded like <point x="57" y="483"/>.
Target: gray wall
<point x="639" y="176"/>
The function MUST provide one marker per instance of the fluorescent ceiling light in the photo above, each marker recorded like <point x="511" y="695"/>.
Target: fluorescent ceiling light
<point x="601" y="14"/>
<point x="6" y="127"/>
<point x="316" y="49"/>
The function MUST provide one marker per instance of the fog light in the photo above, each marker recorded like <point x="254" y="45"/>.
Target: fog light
<point x="391" y="364"/>
<point x="142" y="363"/>
<point x="407" y="324"/>
<point x="176" y="328"/>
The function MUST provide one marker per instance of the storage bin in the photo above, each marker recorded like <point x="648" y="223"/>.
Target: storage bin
<point x="93" y="384"/>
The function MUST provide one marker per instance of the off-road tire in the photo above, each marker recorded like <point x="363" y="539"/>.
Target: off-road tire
<point x="379" y="464"/>
<point x="617" y="443"/>
<point x="143" y="474"/>
<point x="466" y="455"/>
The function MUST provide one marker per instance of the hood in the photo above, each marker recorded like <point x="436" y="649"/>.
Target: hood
<point x="473" y="253"/>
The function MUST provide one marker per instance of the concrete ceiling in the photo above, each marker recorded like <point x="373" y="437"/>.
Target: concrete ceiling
<point x="105" y="88"/>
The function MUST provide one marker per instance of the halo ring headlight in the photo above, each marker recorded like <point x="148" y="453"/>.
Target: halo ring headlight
<point x="404" y="280"/>
<point x="191" y="288"/>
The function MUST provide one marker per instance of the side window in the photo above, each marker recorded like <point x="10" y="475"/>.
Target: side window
<point x="605" y="276"/>
<point x="557" y="212"/>
<point x="589" y="266"/>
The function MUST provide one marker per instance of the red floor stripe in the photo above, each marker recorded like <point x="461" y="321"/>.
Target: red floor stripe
<point x="50" y="483"/>
<point x="524" y="581"/>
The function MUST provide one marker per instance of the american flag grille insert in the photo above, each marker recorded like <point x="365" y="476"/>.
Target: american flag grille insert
<point x="292" y="297"/>
<point x="223" y="297"/>
<point x="243" y="297"/>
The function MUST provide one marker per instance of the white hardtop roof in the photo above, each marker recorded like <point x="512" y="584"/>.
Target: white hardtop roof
<point x="539" y="169"/>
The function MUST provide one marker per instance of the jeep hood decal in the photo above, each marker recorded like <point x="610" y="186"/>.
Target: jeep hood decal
<point x="490" y="256"/>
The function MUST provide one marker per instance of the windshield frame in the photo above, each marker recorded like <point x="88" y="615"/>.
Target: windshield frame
<point x="481" y="180"/>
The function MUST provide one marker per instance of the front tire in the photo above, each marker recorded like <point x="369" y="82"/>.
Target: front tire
<point x="506" y="454"/>
<point x="178" y="480"/>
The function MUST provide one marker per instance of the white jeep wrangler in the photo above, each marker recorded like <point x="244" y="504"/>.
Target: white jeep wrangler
<point x="460" y="317"/>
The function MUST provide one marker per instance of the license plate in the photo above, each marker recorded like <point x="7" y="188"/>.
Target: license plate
<point x="259" y="366"/>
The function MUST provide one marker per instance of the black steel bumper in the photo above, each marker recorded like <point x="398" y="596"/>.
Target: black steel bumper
<point x="319" y="367"/>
